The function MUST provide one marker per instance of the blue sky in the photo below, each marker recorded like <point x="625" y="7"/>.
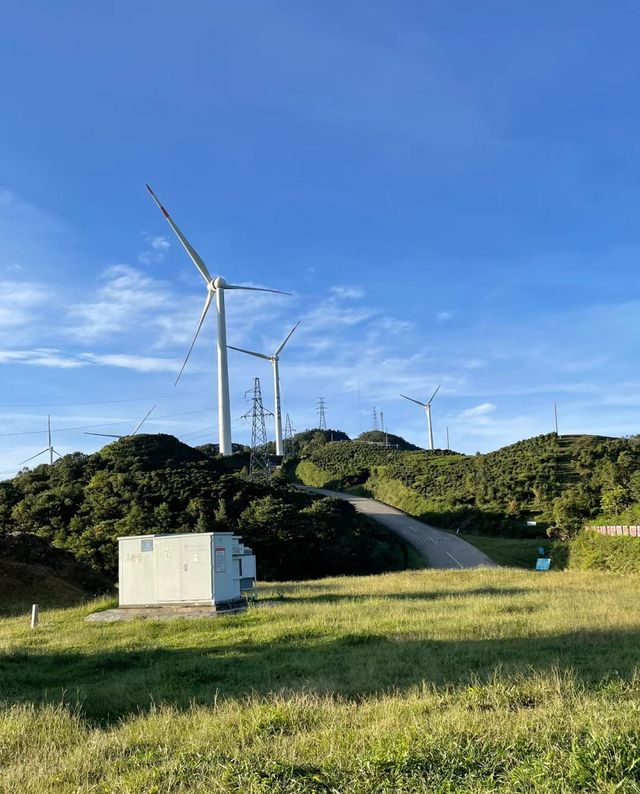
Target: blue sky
<point x="449" y="189"/>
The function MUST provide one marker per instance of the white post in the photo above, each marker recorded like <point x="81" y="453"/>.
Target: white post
<point x="35" y="612"/>
<point x="224" y="411"/>
<point x="277" y="411"/>
<point x="428" y="408"/>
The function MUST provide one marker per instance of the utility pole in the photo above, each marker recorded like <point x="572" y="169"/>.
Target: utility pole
<point x="321" y="408"/>
<point x="448" y="447"/>
<point x="386" y="437"/>
<point x="555" y="414"/>
<point x="289" y="451"/>
<point x="259" y="463"/>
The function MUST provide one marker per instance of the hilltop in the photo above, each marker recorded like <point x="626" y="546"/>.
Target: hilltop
<point x="556" y="482"/>
<point x="154" y="483"/>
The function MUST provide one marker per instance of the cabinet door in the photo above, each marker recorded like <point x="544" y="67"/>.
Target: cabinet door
<point x="168" y="570"/>
<point x="196" y="568"/>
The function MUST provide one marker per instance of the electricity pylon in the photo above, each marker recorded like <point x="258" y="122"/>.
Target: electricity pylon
<point x="321" y="408"/>
<point x="259" y="463"/>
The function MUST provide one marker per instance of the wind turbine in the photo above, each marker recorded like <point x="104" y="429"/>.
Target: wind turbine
<point x="215" y="287"/>
<point x="274" y="359"/>
<point x="48" y="449"/>
<point x="427" y="408"/>
<point x="115" y="435"/>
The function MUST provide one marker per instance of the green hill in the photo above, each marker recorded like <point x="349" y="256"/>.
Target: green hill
<point x="154" y="483"/>
<point x="556" y="482"/>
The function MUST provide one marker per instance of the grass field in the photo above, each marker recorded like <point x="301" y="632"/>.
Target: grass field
<point x="447" y="681"/>
<point x="516" y="552"/>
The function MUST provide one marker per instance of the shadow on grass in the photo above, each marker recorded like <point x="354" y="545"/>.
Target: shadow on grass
<point x="109" y="685"/>
<point x="331" y="598"/>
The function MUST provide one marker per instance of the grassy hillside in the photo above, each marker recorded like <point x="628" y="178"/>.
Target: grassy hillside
<point x="154" y="483"/>
<point x="558" y="482"/>
<point x="445" y="681"/>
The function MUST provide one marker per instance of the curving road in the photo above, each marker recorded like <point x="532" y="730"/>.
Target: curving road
<point x="439" y="548"/>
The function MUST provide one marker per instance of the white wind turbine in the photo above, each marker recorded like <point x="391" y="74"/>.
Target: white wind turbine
<point x="118" y="435"/>
<point x="427" y="408"/>
<point x="274" y="359"/>
<point x="215" y="287"/>
<point x="48" y="449"/>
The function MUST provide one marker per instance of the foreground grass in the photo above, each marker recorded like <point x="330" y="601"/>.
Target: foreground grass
<point x="490" y="680"/>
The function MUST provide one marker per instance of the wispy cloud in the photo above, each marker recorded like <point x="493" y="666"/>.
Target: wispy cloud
<point x="17" y="301"/>
<point x="484" y="409"/>
<point x="40" y="357"/>
<point x="156" y="251"/>
<point x="137" y="363"/>
<point x="127" y="297"/>
<point x="444" y="316"/>
<point x="348" y="293"/>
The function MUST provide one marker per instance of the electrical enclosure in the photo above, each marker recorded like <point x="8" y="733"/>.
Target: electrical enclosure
<point x="191" y="568"/>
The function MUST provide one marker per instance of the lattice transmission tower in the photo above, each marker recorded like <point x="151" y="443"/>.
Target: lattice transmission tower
<point x="259" y="462"/>
<point x="289" y="447"/>
<point x="321" y="409"/>
<point x="375" y="419"/>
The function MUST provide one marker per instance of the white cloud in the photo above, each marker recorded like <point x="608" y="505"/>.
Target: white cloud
<point x="127" y="297"/>
<point x="348" y="293"/>
<point x="158" y="245"/>
<point x="17" y="301"/>
<point x="478" y="411"/>
<point x="40" y="357"/>
<point x="137" y="363"/>
<point x="444" y="316"/>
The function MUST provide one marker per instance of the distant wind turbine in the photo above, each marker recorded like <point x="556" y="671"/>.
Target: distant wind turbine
<point x="115" y="435"/>
<point x="215" y="287"/>
<point x="274" y="359"/>
<point x="427" y="408"/>
<point x="48" y="449"/>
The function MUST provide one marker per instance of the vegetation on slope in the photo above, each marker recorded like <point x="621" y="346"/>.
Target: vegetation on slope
<point x="154" y="483"/>
<point x="443" y="681"/>
<point x="557" y="482"/>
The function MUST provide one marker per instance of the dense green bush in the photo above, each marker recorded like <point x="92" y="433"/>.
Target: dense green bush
<point x="561" y="482"/>
<point x="153" y="483"/>
<point x="590" y="550"/>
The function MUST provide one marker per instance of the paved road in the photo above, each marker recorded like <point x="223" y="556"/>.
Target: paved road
<point x="439" y="548"/>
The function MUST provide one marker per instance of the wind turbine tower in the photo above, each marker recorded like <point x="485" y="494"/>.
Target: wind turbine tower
<point x="216" y="287"/>
<point x="48" y="449"/>
<point x="427" y="408"/>
<point x="274" y="359"/>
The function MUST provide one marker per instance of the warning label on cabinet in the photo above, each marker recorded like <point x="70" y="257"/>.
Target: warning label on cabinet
<point x="220" y="560"/>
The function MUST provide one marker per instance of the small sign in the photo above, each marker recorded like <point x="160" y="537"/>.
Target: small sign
<point x="220" y="560"/>
<point x="146" y="545"/>
<point x="532" y="523"/>
<point x="543" y="563"/>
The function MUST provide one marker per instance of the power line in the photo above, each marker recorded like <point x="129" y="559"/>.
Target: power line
<point x="104" y="424"/>
<point x="105" y="402"/>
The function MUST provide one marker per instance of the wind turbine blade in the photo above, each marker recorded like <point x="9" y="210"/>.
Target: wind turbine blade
<point x="417" y="402"/>
<point x="55" y="452"/>
<point x="288" y="336"/>
<point x="106" y="435"/>
<point x="255" y="289"/>
<point x="249" y="352"/>
<point x="193" y="254"/>
<point x="207" y="303"/>
<point x="34" y="456"/>
<point x="139" y="425"/>
<point x="433" y="395"/>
